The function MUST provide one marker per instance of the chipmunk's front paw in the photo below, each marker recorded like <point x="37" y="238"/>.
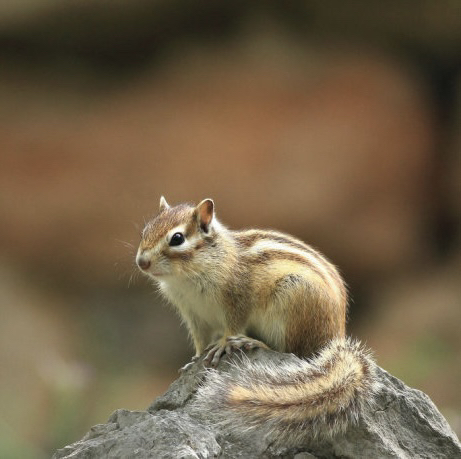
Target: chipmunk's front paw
<point x="214" y="353"/>
<point x="228" y="345"/>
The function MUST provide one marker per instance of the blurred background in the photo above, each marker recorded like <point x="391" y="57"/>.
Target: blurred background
<point x="338" y="122"/>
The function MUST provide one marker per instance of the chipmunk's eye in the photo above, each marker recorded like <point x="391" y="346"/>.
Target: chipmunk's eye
<point x="177" y="239"/>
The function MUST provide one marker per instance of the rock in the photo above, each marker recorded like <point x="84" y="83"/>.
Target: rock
<point x="404" y="423"/>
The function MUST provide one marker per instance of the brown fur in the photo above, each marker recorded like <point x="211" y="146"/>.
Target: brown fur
<point x="265" y="286"/>
<point x="303" y="296"/>
<point x="157" y="228"/>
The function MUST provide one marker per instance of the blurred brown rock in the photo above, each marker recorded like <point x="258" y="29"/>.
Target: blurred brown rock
<point x="335" y="147"/>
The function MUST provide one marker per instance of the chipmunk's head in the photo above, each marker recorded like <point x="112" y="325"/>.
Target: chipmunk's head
<point x="175" y="241"/>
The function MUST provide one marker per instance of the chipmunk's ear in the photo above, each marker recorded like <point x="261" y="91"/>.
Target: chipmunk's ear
<point x="163" y="204"/>
<point x="205" y="212"/>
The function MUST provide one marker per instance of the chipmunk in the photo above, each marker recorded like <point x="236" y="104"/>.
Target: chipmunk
<point x="253" y="288"/>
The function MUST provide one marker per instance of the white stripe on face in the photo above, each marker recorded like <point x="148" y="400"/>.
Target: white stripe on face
<point x="188" y="242"/>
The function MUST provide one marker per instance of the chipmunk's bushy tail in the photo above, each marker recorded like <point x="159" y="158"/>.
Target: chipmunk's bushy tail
<point x="312" y="398"/>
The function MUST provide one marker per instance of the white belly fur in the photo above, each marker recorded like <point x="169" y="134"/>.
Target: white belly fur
<point x="191" y="301"/>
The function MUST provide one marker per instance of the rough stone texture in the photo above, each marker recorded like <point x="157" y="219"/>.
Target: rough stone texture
<point x="403" y="424"/>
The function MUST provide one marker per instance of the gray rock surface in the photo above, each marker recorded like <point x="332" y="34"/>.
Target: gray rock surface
<point x="404" y="423"/>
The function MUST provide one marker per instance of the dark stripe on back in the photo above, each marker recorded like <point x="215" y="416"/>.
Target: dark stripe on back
<point x="248" y="239"/>
<point x="268" y="256"/>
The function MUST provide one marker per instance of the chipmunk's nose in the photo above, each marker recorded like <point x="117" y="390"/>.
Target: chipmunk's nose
<point x="143" y="262"/>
